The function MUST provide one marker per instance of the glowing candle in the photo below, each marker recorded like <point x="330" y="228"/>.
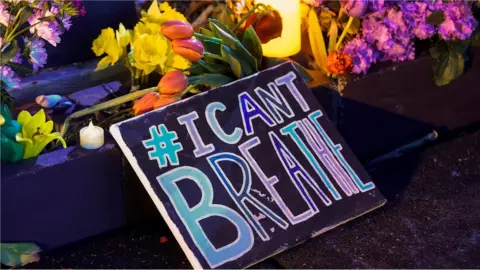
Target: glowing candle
<point x="290" y="41"/>
<point x="91" y="137"/>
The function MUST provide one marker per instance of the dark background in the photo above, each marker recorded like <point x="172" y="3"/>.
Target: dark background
<point x="76" y="44"/>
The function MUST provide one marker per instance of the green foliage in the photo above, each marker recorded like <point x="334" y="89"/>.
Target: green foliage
<point x="448" y="60"/>
<point x="11" y="150"/>
<point x="19" y="254"/>
<point x="9" y="52"/>
<point x="226" y="58"/>
<point x="253" y="43"/>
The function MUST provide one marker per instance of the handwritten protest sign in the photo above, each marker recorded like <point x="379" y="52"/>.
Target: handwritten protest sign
<point x="244" y="171"/>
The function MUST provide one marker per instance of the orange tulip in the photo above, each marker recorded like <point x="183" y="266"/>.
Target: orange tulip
<point x="190" y="49"/>
<point x="175" y="29"/>
<point x="173" y="83"/>
<point x="145" y="104"/>
<point x="338" y="63"/>
<point x="165" y="100"/>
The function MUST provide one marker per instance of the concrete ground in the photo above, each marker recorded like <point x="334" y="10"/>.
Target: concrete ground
<point x="431" y="220"/>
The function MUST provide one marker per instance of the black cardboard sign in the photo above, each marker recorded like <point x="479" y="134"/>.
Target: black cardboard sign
<point x="247" y="170"/>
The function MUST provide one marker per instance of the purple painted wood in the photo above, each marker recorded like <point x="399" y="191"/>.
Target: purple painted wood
<point x="62" y="196"/>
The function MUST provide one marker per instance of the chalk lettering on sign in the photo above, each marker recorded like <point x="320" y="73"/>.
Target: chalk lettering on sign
<point x="337" y="148"/>
<point x="200" y="148"/>
<point x="288" y="81"/>
<point x="243" y="196"/>
<point x="191" y="217"/>
<point x="250" y="110"/>
<point x="291" y="131"/>
<point x="163" y="145"/>
<point x="275" y="102"/>
<point x="232" y="138"/>
<point x="296" y="172"/>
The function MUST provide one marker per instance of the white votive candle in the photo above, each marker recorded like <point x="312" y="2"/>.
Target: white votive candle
<point x="91" y="137"/>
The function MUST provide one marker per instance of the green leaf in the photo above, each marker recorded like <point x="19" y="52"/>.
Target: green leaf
<point x="252" y="43"/>
<point x="17" y="255"/>
<point x="213" y="68"/>
<point x="333" y="35"/>
<point x="316" y="40"/>
<point x="206" y="32"/>
<point x="26" y="13"/>
<point x="212" y="46"/>
<point x="234" y="62"/>
<point x="60" y="23"/>
<point x="436" y="18"/>
<point x="5" y="112"/>
<point x="197" y="69"/>
<point x="9" y="52"/>
<point x="214" y="80"/>
<point x="448" y="63"/>
<point x="222" y="31"/>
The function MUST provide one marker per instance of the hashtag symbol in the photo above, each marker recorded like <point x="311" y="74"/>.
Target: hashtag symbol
<point x="162" y="146"/>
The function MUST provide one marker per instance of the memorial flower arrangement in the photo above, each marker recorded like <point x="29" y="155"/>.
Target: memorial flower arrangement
<point x="26" y="27"/>
<point x="375" y="30"/>
<point x="146" y="48"/>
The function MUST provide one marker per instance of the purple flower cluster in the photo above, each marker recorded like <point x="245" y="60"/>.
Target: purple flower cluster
<point x="459" y="21"/>
<point x="8" y="77"/>
<point x="389" y="30"/>
<point x="361" y="53"/>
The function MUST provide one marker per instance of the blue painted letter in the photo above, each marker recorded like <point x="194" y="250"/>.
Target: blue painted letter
<point x="191" y="216"/>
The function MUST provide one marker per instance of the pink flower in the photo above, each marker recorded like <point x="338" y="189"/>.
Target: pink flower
<point x="5" y="17"/>
<point x="46" y="30"/>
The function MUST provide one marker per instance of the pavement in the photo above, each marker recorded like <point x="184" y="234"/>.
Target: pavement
<point x="431" y="220"/>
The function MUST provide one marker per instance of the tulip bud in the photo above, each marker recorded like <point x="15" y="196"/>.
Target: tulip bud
<point x="190" y="49"/>
<point x="175" y="29"/>
<point x="145" y="104"/>
<point x="267" y="26"/>
<point x="173" y="83"/>
<point x="338" y="63"/>
<point x="355" y="8"/>
<point x="165" y="100"/>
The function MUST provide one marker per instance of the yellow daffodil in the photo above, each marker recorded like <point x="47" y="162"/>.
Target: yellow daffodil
<point x="150" y="51"/>
<point x="123" y="36"/>
<point x="107" y="43"/>
<point x="174" y="62"/>
<point x="160" y="14"/>
<point x="146" y="28"/>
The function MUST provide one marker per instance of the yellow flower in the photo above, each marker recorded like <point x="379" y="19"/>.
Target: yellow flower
<point x="160" y="14"/>
<point x="36" y="133"/>
<point x="123" y="36"/>
<point x="146" y="28"/>
<point x="174" y="62"/>
<point x="107" y="43"/>
<point x="150" y="51"/>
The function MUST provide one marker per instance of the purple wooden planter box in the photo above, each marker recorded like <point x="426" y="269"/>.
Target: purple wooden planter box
<point x="62" y="196"/>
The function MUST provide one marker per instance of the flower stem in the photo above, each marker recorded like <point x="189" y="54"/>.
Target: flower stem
<point x="344" y="33"/>
<point x="105" y="105"/>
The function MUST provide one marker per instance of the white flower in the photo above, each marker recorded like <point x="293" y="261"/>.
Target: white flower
<point x="38" y="54"/>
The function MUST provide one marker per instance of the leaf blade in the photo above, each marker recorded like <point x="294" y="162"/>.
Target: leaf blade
<point x="317" y="41"/>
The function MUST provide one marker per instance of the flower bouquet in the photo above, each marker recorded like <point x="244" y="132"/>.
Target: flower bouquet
<point x="25" y="28"/>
